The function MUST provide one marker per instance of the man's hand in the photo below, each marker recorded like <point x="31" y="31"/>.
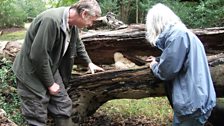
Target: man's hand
<point x="152" y="61"/>
<point x="54" y="89"/>
<point x="94" y="68"/>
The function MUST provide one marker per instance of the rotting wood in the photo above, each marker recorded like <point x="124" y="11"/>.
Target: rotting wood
<point x="132" y="41"/>
<point x="102" y="44"/>
<point x="90" y="91"/>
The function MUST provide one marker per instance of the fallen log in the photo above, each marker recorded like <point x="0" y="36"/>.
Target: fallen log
<point x="9" y="49"/>
<point x="131" y="41"/>
<point x="89" y="92"/>
<point x="4" y="121"/>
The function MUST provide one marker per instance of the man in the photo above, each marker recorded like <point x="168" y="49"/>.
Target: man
<point x="44" y="64"/>
<point x="182" y="65"/>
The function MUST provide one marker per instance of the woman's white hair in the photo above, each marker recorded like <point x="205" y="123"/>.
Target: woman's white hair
<point x="157" y="18"/>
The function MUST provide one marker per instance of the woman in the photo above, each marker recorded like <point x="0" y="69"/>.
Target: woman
<point x="182" y="65"/>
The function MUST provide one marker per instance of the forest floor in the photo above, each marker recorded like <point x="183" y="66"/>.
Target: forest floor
<point x="100" y="119"/>
<point x="9" y="30"/>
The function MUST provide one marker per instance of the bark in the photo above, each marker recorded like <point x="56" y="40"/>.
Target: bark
<point x="9" y="49"/>
<point x="89" y="92"/>
<point x="108" y="21"/>
<point x="4" y="121"/>
<point x="136" y="12"/>
<point x="125" y="7"/>
<point x="131" y="41"/>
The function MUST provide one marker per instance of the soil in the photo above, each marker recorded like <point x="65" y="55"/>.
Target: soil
<point x="9" y="30"/>
<point x="99" y="119"/>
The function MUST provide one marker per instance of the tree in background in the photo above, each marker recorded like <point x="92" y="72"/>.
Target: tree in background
<point x="109" y="6"/>
<point x="31" y="7"/>
<point x="10" y="13"/>
<point x="126" y="6"/>
<point x="14" y="13"/>
<point x="58" y="3"/>
<point x="195" y="14"/>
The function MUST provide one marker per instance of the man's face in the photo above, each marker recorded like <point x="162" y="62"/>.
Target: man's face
<point x="85" y="20"/>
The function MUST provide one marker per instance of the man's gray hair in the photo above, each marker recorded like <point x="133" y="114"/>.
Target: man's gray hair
<point x="158" y="17"/>
<point x="91" y="6"/>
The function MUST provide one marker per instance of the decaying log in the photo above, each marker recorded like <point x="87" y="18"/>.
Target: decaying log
<point x="109" y="21"/>
<point x="90" y="91"/>
<point x="132" y="41"/>
<point x="4" y="121"/>
<point x="9" y="49"/>
<point x="129" y="41"/>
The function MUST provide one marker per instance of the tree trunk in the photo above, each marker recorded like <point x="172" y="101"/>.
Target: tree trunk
<point x="88" y="92"/>
<point x="131" y="41"/>
<point x="136" y="12"/>
<point x="124" y="10"/>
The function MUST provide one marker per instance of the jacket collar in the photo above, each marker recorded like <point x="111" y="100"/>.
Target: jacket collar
<point x="168" y="30"/>
<point x="64" y="25"/>
<point x="160" y="42"/>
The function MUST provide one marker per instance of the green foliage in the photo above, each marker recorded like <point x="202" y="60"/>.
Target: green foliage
<point x="208" y="13"/>
<point x="143" y="8"/>
<point x="9" y="100"/>
<point x="31" y="8"/>
<point x="109" y="6"/>
<point x="157" y="109"/>
<point x="58" y="3"/>
<point x="15" y="12"/>
<point x="205" y="13"/>
<point x="10" y="14"/>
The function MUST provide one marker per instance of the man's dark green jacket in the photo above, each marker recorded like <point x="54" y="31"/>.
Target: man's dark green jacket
<point x="42" y="52"/>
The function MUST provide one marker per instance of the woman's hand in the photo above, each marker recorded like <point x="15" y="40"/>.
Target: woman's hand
<point x="152" y="61"/>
